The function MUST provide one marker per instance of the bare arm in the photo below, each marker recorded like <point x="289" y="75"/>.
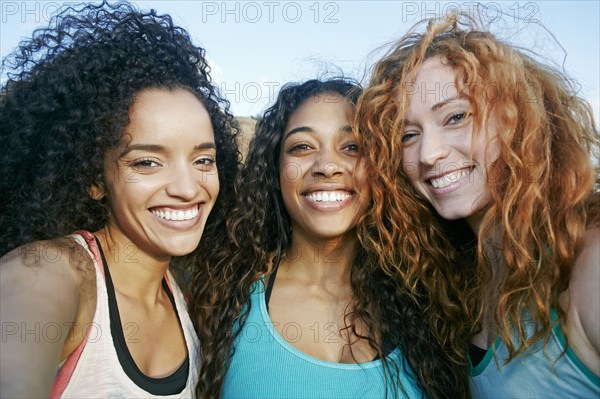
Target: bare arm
<point x="39" y="298"/>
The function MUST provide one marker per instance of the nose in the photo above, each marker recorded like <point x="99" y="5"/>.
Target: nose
<point x="433" y="147"/>
<point x="328" y="164"/>
<point x="184" y="182"/>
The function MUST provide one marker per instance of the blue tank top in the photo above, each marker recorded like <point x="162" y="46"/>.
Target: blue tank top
<point x="536" y="373"/>
<point x="265" y="365"/>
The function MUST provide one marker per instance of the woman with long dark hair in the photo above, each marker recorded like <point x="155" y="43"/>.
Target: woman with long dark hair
<point x="300" y="308"/>
<point x="118" y="147"/>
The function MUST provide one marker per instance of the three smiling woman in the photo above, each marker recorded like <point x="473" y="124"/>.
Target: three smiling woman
<point x="371" y="237"/>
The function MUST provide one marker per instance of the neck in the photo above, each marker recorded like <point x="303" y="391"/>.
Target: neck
<point x="321" y="261"/>
<point x="134" y="273"/>
<point x="474" y="221"/>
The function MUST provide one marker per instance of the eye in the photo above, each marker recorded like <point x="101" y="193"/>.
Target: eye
<point x="409" y="136"/>
<point x="351" y="148"/>
<point x="300" y="147"/>
<point x="457" y="119"/>
<point x="205" y="163"/>
<point x="144" y="163"/>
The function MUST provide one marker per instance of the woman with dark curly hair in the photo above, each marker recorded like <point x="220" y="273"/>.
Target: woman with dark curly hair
<point x="460" y="126"/>
<point x="109" y="124"/>
<point x="300" y="308"/>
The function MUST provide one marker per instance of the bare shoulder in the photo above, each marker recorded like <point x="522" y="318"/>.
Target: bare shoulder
<point x="584" y="300"/>
<point x="585" y="276"/>
<point x="44" y="286"/>
<point x="57" y="259"/>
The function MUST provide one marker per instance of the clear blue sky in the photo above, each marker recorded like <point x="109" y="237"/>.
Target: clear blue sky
<point x="255" y="47"/>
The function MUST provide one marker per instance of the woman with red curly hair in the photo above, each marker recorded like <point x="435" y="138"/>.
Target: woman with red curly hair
<point x="461" y="129"/>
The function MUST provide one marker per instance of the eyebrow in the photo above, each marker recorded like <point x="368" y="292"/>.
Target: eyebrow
<point x="441" y="104"/>
<point x="160" y="148"/>
<point x="306" y="129"/>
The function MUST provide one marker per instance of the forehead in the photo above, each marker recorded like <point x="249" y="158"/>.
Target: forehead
<point x="156" y="104"/>
<point x="320" y="109"/>
<point x="167" y="114"/>
<point x="435" y="70"/>
<point x="434" y="83"/>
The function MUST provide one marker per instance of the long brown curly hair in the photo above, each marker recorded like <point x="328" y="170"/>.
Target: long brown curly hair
<point x="543" y="185"/>
<point x="260" y="230"/>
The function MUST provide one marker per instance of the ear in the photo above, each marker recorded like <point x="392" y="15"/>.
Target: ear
<point x="96" y="192"/>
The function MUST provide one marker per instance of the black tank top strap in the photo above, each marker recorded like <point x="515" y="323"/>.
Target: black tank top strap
<point x="476" y="354"/>
<point x="170" y="385"/>
<point x="270" y="283"/>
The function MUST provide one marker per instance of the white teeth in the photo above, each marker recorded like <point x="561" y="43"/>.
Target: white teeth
<point x="328" y="196"/>
<point x="449" y="178"/>
<point x="177" y="215"/>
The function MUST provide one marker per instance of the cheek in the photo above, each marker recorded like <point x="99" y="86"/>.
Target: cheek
<point x="364" y="200"/>
<point x="211" y="181"/>
<point x="287" y="177"/>
<point x="124" y="191"/>
<point x="290" y="173"/>
<point x="488" y="141"/>
<point x="363" y="190"/>
<point x="492" y="149"/>
<point x="361" y="182"/>
<point x="411" y="169"/>
<point x="290" y="176"/>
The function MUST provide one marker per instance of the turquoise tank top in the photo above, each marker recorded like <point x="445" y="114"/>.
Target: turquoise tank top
<point x="265" y="365"/>
<point x="536" y="373"/>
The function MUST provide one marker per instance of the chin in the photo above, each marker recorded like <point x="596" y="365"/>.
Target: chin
<point x="182" y="247"/>
<point x="453" y="215"/>
<point x="182" y="252"/>
<point x="331" y="234"/>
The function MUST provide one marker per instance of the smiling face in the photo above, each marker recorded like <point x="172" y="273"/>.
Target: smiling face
<point x="439" y="157"/>
<point x="162" y="182"/>
<point x="318" y="159"/>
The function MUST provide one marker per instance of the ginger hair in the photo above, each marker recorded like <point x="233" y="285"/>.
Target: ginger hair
<point x="543" y="185"/>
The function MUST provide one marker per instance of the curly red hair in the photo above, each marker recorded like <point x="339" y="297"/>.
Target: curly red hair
<point x="543" y="185"/>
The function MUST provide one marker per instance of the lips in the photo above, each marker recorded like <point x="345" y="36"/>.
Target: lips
<point x="328" y="196"/>
<point x="176" y="214"/>
<point x="449" y="178"/>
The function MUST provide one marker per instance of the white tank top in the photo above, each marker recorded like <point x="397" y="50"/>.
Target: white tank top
<point x="93" y="370"/>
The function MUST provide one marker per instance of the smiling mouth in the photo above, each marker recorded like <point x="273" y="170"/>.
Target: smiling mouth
<point x="328" y="196"/>
<point x="176" y="214"/>
<point x="450" y="178"/>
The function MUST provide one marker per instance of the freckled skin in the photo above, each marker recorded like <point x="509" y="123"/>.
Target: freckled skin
<point x="438" y="141"/>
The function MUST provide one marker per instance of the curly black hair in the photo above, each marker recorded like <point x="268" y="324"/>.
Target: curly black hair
<point x="260" y="230"/>
<point x="66" y="100"/>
